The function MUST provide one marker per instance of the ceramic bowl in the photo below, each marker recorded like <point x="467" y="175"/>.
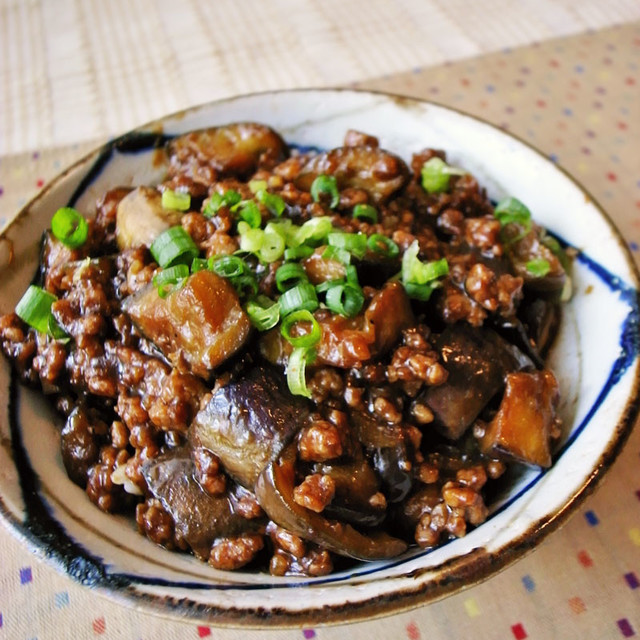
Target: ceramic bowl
<point x="595" y="358"/>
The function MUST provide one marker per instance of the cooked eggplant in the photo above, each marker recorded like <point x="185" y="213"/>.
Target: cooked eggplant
<point x="378" y="172"/>
<point x="198" y="516"/>
<point x="141" y="218"/>
<point x="200" y="325"/>
<point x="477" y="360"/>
<point x="248" y="422"/>
<point x="525" y="424"/>
<point x="274" y="490"/>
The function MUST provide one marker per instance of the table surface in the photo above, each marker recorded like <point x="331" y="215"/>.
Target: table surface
<point x="563" y="76"/>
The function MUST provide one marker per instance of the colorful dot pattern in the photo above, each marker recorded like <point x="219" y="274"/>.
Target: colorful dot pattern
<point x="578" y="100"/>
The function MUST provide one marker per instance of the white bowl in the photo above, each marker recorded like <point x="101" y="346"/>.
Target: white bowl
<point x="595" y="358"/>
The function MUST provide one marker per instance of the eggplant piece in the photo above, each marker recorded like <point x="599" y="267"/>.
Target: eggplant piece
<point x="378" y="172"/>
<point x="248" y="422"/>
<point x="231" y="150"/>
<point x="526" y="422"/>
<point x="477" y="360"/>
<point x="141" y="218"/>
<point x="201" y="324"/>
<point x="274" y="490"/>
<point x="198" y="516"/>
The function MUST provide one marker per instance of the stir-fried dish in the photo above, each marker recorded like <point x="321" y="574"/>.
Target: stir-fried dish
<point x="285" y="359"/>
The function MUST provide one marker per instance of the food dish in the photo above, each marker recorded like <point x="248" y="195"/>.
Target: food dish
<point x="623" y="370"/>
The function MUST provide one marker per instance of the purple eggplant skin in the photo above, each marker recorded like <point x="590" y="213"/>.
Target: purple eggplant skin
<point x="249" y="421"/>
<point x="477" y="360"/>
<point x="199" y="518"/>
<point x="274" y="490"/>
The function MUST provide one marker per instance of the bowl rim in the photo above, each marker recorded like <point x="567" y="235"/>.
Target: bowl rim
<point x="457" y="573"/>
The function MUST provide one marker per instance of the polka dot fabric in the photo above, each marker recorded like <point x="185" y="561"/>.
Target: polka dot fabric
<point x="578" y="101"/>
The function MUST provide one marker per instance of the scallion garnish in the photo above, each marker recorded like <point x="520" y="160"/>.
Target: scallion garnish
<point x="511" y="210"/>
<point x="35" y="308"/>
<point x="178" y="200"/>
<point x="251" y="239"/>
<point x="263" y="312"/>
<point x="556" y="248"/>
<point x="436" y="174"/>
<point x="272" y="247"/>
<point x="325" y="185"/>
<point x="257" y="185"/>
<point x="298" y="253"/>
<point x="229" y="266"/>
<point x="306" y="340"/>
<point x="290" y="275"/>
<point x="365" y="212"/>
<point x="200" y="264"/>
<point x="302" y="296"/>
<point x="354" y="243"/>
<point x="328" y="284"/>
<point x="249" y="212"/>
<point x="274" y="203"/>
<point x="245" y="285"/>
<point x="70" y="227"/>
<point x="383" y="245"/>
<point x="345" y="299"/>
<point x="218" y="200"/>
<point x="415" y="272"/>
<point x="312" y="231"/>
<point x="296" y="371"/>
<point x="335" y="253"/>
<point x="539" y="267"/>
<point x="174" y="246"/>
<point x="170" y="279"/>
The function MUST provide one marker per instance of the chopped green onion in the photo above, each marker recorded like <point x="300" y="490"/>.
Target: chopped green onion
<point x="365" y="212"/>
<point x="296" y="370"/>
<point x="56" y="331"/>
<point x="249" y="212"/>
<point x="314" y="230"/>
<point x="556" y="248"/>
<point x="229" y="266"/>
<point x="302" y="296"/>
<point x="417" y="272"/>
<point x="274" y="203"/>
<point x="178" y="200"/>
<point x="272" y="247"/>
<point x="383" y="245"/>
<point x="419" y="291"/>
<point x="539" y="267"/>
<point x="298" y="253"/>
<point x="200" y="264"/>
<point x="170" y="279"/>
<point x="335" y="253"/>
<point x="70" y="227"/>
<point x="257" y="185"/>
<point x="245" y="285"/>
<point x="354" y="243"/>
<point x="325" y="184"/>
<point x="219" y="200"/>
<point x="174" y="246"/>
<point x="251" y="240"/>
<point x="328" y="284"/>
<point x="511" y="210"/>
<point x="306" y="340"/>
<point x="345" y="299"/>
<point x="263" y="312"/>
<point x="35" y="308"/>
<point x="290" y="275"/>
<point x="352" y="275"/>
<point x="436" y="174"/>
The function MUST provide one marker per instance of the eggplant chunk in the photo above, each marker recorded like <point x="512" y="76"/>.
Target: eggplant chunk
<point x="248" y="422"/>
<point x="274" y="490"/>
<point x="198" y="516"/>
<point x="526" y="421"/>
<point x="232" y="150"/>
<point x="140" y="218"/>
<point x="477" y="360"/>
<point x="201" y="324"/>
<point x="378" y="172"/>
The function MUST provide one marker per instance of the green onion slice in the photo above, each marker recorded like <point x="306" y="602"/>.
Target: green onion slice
<point x="383" y="245"/>
<point x="329" y="284"/>
<point x="257" y="185"/>
<point x="302" y="296"/>
<point x="249" y="212"/>
<point x="56" y="331"/>
<point x="335" y="253"/>
<point x="419" y="291"/>
<point x="312" y="231"/>
<point x="35" y="308"/>
<point x="229" y="266"/>
<point x="178" y="200"/>
<point x="417" y="272"/>
<point x="354" y="243"/>
<point x="556" y="248"/>
<point x="274" y="203"/>
<point x="298" y="253"/>
<point x="200" y="264"/>
<point x="365" y="212"/>
<point x="345" y="299"/>
<point x="296" y="371"/>
<point x="251" y="240"/>
<point x="436" y="174"/>
<point x="325" y="185"/>
<point x="218" y="200"/>
<point x="290" y="275"/>
<point x="539" y="267"/>
<point x="174" y="246"/>
<point x="245" y="285"/>
<point x="306" y="340"/>
<point x="263" y="312"/>
<point x="272" y="247"/>
<point x="70" y="227"/>
<point x="170" y="279"/>
<point x="511" y="210"/>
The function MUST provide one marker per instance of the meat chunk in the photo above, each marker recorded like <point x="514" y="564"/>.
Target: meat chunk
<point x="201" y="324"/>
<point x="247" y="422"/>
<point x="526" y="423"/>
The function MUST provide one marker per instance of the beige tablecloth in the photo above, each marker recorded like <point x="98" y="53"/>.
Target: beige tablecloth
<point x="576" y="98"/>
